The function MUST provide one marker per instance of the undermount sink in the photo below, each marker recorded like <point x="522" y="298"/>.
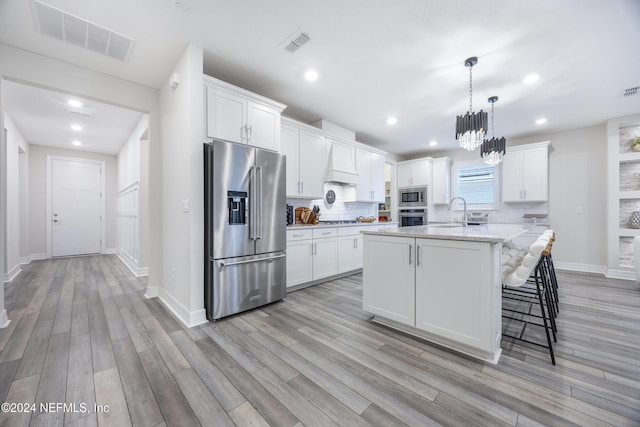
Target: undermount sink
<point x="445" y="225"/>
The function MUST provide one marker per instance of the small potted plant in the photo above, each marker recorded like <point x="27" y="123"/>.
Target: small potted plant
<point x="635" y="143"/>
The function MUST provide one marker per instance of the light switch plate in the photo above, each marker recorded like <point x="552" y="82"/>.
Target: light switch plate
<point x="185" y="206"/>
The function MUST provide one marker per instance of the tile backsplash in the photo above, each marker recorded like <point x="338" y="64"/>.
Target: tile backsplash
<point x="339" y="210"/>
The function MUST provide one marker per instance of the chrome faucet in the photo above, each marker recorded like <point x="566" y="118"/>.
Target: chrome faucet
<point x="464" y="213"/>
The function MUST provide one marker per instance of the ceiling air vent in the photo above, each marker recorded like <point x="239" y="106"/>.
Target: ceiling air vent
<point x="630" y="91"/>
<point x="82" y="33"/>
<point x="295" y="41"/>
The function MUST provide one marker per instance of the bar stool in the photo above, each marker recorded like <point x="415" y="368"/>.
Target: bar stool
<point x="518" y="279"/>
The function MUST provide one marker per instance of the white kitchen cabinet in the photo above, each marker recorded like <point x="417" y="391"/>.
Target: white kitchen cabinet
<point x="414" y="173"/>
<point x="299" y="262"/>
<point x="370" y="170"/>
<point x="304" y="168"/>
<point x="237" y="115"/>
<point x="441" y="183"/>
<point x="325" y="253"/>
<point x="525" y="173"/>
<point x="439" y="306"/>
<point x="349" y="249"/>
<point x="389" y="273"/>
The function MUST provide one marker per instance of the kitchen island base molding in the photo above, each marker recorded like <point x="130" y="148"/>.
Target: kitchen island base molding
<point x="442" y="341"/>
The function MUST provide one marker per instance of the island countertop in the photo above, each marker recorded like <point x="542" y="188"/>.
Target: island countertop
<point x="492" y="233"/>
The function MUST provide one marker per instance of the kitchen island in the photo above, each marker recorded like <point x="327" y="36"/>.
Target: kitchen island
<point x="440" y="282"/>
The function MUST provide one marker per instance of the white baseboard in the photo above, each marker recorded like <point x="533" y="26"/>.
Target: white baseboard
<point x="24" y="260"/>
<point x="152" y="292"/>
<point x="42" y="255"/>
<point x="188" y="318"/>
<point x="11" y="274"/>
<point x="111" y="251"/>
<point x="137" y="271"/>
<point x="583" y="268"/>
<point x="4" y="320"/>
<point x="621" y="274"/>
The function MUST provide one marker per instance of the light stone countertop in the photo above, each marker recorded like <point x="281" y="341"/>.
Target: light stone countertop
<point x="492" y="233"/>
<point x="354" y="224"/>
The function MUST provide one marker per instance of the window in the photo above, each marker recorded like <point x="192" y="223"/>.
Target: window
<point x="477" y="183"/>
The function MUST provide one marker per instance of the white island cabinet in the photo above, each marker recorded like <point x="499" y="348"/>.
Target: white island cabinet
<point x="389" y="270"/>
<point x="441" y="284"/>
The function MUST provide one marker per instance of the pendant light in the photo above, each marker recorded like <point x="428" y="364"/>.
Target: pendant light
<point x="493" y="149"/>
<point x="470" y="128"/>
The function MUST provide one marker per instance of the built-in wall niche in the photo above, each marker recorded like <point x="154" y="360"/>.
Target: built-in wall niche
<point x="630" y="176"/>
<point x="625" y="251"/>
<point x="627" y="207"/>
<point x="627" y="135"/>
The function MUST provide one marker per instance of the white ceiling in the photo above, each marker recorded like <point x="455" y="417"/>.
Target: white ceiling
<point x="378" y="58"/>
<point x="44" y="118"/>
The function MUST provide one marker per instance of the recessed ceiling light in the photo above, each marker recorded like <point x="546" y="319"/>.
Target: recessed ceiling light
<point x="311" y="75"/>
<point x="433" y="143"/>
<point x="541" y="121"/>
<point x="531" y="78"/>
<point x="76" y="143"/>
<point x="76" y="127"/>
<point x="74" y="103"/>
<point x="392" y="120"/>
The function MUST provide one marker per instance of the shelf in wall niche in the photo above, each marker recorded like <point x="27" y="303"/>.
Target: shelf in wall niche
<point x="629" y="195"/>
<point x="627" y="134"/>
<point x="630" y="176"/>
<point x="625" y="251"/>
<point x="633" y="156"/>
<point x="629" y="232"/>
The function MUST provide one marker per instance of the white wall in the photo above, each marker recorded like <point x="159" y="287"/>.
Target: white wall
<point x="26" y="67"/>
<point x="37" y="195"/>
<point x="129" y="155"/>
<point x="15" y="143"/>
<point x="182" y="182"/>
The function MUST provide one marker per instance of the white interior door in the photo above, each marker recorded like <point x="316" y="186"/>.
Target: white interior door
<point x="76" y="207"/>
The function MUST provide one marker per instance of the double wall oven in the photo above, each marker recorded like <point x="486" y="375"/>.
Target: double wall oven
<point x="412" y="202"/>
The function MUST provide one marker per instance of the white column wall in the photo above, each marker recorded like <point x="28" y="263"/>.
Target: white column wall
<point x="183" y="206"/>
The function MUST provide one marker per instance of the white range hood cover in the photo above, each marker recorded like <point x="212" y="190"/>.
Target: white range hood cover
<point x="341" y="168"/>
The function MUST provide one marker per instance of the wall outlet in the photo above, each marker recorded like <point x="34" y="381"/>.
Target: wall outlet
<point x="578" y="210"/>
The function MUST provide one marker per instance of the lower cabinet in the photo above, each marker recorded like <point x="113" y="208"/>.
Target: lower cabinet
<point x="389" y="271"/>
<point x="311" y="255"/>
<point x="349" y="249"/>
<point x="318" y="253"/>
<point x="325" y="259"/>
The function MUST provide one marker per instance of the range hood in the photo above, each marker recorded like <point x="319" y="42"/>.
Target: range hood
<point x="341" y="165"/>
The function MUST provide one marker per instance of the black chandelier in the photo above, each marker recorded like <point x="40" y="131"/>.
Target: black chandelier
<point x="493" y="150"/>
<point x="470" y="128"/>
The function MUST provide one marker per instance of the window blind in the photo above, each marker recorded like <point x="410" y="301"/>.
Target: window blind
<point x="476" y="185"/>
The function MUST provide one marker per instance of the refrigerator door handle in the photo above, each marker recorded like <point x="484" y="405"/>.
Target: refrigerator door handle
<point x="260" y="206"/>
<point x="252" y="201"/>
<point x="271" y="258"/>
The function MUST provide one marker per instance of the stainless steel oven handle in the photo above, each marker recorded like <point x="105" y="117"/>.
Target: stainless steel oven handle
<point x="271" y="258"/>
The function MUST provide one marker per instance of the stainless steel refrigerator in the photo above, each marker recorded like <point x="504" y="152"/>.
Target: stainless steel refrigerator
<point x="245" y="228"/>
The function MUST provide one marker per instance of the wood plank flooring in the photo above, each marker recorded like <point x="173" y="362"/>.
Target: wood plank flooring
<point x="82" y="333"/>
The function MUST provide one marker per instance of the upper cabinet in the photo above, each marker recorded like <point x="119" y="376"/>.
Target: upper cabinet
<point x="370" y="170"/>
<point x="414" y="173"/>
<point x="441" y="186"/>
<point x="237" y="115"/>
<point x="525" y="173"/>
<point x="303" y="149"/>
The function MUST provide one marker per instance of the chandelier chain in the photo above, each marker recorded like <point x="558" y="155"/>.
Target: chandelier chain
<point x="493" y="131"/>
<point x="470" y="91"/>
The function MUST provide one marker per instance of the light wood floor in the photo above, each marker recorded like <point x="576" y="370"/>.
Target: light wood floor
<point x="82" y="333"/>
